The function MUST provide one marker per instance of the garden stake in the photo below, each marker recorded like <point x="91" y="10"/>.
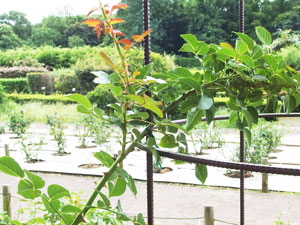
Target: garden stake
<point x="209" y="215"/>
<point x="6" y="147"/>
<point x="265" y="187"/>
<point x="6" y="199"/>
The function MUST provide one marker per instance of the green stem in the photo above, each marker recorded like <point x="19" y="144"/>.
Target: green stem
<point x="100" y="185"/>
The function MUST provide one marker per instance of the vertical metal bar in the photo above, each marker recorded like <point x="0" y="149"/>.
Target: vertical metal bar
<point x="242" y="16"/>
<point x="242" y="180"/>
<point x="150" y="208"/>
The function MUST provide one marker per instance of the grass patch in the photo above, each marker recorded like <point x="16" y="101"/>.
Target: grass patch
<point x="38" y="111"/>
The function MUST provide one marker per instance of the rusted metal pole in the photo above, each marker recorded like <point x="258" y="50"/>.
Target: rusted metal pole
<point x="242" y="17"/>
<point x="242" y="179"/>
<point x="150" y="207"/>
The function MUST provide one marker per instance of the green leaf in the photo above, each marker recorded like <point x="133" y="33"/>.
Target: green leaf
<point x="105" y="199"/>
<point x="118" y="188"/>
<point x="81" y="99"/>
<point x="68" y="218"/>
<point x="101" y="77"/>
<point x="10" y="167"/>
<point x="194" y="117"/>
<point x="239" y="125"/>
<point x="82" y="109"/>
<point x="233" y="117"/>
<point x="140" y="219"/>
<point x="256" y="52"/>
<point x="247" y="117"/>
<point x="259" y="78"/>
<point x="247" y="135"/>
<point x="176" y="126"/>
<point x="290" y="103"/>
<point x="263" y="35"/>
<point x="205" y="102"/>
<point x="56" y="192"/>
<point x="253" y="113"/>
<point x="189" y="103"/>
<point x="201" y="172"/>
<point x="51" y="206"/>
<point x="186" y="48"/>
<point x="181" y="72"/>
<point x="168" y="141"/>
<point x="271" y="62"/>
<point x="227" y="52"/>
<point x="131" y="185"/>
<point x="191" y="39"/>
<point x="136" y="98"/>
<point x="145" y="71"/>
<point x="244" y="37"/>
<point x="136" y="133"/>
<point x="191" y="83"/>
<point x="241" y="47"/>
<point x="247" y="60"/>
<point x="115" y="107"/>
<point x="152" y="105"/>
<point x="104" y="158"/>
<point x="201" y="48"/>
<point x="37" y="181"/>
<point x="117" y="91"/>
<point x="70" y="209"/>
<point x="26" y="189"/>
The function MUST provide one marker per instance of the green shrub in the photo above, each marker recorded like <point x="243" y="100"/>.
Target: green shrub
<point x="265" y="139"/>
<point x="19" y="85"/>
<point x="66" y="81"/>
<point x="18" y="123"/>
<point x="161" y="64"/>
<point x="187" y="62"/>
<point x="41" y="83"/>
<point x="21" y="98"/>
<point x="101" y="97"/>
<point x="291" y="54"/>
<point x="17" y="72"/>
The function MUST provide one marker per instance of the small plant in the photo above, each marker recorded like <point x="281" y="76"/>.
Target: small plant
<point x="2" y="130"/>
<point x="207" y="136"/>
<point x="30" y="149"/>
<point x="280" y="222"/>
<point x="265" y="139"/>
<point x="85" y="129"/>
<point x="18" y="123"/>
<point x="56" y="124"/>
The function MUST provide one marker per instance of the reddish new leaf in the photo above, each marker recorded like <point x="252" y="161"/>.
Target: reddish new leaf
<point x="116" y="20"/>
<point x="92" y="22"/>
<point x="126" y="41"/>
<point x="106" y="11"/>
<point x="119" y="6"/>
<point x="117" y="32"/>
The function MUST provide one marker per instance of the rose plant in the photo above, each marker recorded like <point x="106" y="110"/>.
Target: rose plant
<point x="248" y="73"/>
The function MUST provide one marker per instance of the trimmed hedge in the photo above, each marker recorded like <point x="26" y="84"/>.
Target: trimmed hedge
<point x="21" y="98"/>
<point x="187" y="62"/>
<point x="17" y="72"/>
<point x="19" y="85"/>
<point x="41" y="83"/>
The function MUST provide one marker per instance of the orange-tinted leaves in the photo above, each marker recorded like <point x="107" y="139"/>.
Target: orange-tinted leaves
<point x="126" y="41"/>
<point x="116" y="20"/>
<point x="117" y="32"/>
<point x="106" y="11"/>
<point x="127" y="44"/>
<point x="92" y="10"/>
<point x="92" y="22"/>
<point x="140" y="38"/>
<point x="119" y="6"/>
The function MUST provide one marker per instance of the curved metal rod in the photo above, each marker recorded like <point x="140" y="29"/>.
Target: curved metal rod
<point x="224" y="164"/>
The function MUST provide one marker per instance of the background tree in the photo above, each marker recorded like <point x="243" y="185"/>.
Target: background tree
<point x="18" y="21"/>
<point x="8" y="38"/>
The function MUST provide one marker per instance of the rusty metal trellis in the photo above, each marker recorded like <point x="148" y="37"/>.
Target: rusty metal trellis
<point x="231" y="165"/>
